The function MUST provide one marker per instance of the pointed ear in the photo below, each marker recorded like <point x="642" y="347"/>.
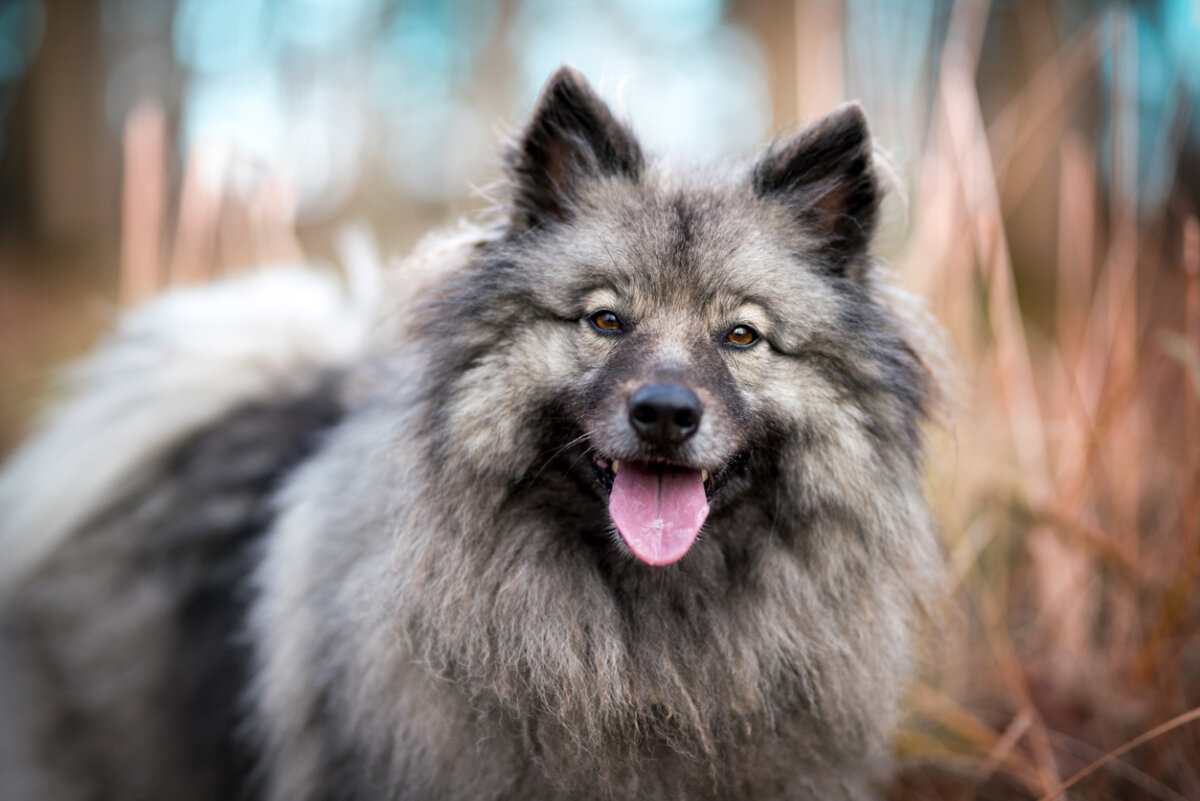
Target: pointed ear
<point x="573" y="138"/>
<point x="825" y="177"/>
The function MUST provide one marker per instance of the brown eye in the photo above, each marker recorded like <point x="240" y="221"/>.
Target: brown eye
<point x="743" y="336"/>
<point x="607" y="322"/>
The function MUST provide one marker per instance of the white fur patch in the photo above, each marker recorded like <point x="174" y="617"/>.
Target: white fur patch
<point x="171" y="368"/>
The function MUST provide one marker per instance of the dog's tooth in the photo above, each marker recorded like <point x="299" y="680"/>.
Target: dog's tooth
<point x="616" y="463"/>
<point x="704" y="475"/>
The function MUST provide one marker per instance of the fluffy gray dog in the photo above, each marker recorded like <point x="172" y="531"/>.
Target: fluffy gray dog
<point x="623" y="501"/>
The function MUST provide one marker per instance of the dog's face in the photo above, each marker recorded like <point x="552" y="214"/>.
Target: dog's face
<point x="673" y="317"/>
<point x="682" y="309"/>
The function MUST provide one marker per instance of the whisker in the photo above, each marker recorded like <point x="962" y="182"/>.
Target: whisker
<point x="580" y="456"/>
<point x="560" y="450"/>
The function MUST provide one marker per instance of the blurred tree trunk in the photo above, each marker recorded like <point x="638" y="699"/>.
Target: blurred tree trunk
<point x="71" y="194"/>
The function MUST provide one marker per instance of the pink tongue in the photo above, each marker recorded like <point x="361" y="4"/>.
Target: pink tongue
<point x="658" y="512"/>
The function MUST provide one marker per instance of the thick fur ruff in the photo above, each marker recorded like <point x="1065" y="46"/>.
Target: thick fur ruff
<point x="291" y="545"/>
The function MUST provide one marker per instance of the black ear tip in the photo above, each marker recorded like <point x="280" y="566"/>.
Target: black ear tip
<point x="565" y="82"/>
<point x="566" y="75"/>
<point x="850" y="109"/>
<point x="848" y="120"/>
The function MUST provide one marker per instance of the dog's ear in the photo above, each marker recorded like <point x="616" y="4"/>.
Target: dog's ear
<point x="824" y="175"/>
<point x="573" y="138"/>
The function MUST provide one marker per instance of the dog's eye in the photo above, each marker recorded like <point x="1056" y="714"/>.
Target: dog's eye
<point x="741" y="336"/>
<point x="607" y="322"/>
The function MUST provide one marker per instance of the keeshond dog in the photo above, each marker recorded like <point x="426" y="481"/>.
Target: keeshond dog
<point x="617" y="495"/>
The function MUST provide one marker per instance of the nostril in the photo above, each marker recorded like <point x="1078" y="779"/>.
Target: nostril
<point x="644" y="413"/>
<point x="685" y="419"/>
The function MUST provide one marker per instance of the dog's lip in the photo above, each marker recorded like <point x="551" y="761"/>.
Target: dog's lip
<point x="609" y="466"/>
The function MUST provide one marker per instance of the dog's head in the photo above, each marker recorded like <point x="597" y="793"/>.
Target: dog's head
<point x="681" y="320"/>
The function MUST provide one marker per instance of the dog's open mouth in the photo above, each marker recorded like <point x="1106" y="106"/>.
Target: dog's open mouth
<point x="657" y="507"/>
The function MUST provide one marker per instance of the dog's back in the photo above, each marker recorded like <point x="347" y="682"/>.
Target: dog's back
<point x="129" y="530"/>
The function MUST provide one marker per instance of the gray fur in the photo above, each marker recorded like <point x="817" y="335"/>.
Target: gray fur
<point x="440" y="607"/>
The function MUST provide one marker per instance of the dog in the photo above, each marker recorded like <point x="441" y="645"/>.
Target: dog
<point x="614" y="494"/>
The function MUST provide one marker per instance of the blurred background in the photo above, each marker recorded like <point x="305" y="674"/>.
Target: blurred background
<point x="1044" y="163"/>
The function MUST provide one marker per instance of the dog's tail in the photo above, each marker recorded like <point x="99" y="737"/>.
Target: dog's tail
<point x="170" y="369"/>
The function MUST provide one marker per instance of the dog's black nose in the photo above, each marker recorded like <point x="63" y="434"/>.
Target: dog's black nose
<point x="664" y="414"/>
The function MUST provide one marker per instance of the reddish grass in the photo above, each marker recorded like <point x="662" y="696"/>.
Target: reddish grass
<point x="1069" y="481"/>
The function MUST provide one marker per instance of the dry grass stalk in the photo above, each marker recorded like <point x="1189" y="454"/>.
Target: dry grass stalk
<point x="144" y="203"/>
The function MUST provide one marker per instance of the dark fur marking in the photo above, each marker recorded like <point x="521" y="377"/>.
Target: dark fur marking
<point x="225" y="477"/>
<point x="685" y="225"/>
